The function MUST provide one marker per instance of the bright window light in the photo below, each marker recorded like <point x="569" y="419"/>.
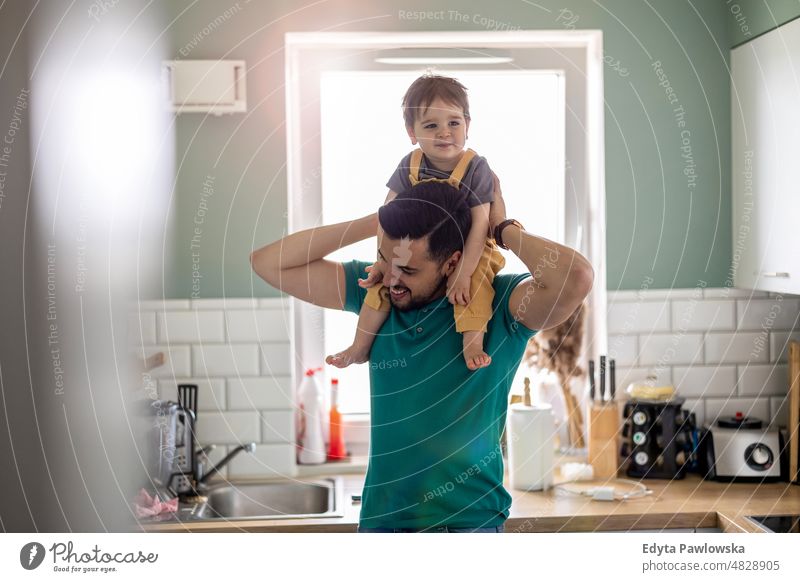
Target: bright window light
<point x="517" y="124"/>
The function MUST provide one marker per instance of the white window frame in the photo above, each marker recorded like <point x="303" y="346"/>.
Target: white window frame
<point x="303" y="171"/>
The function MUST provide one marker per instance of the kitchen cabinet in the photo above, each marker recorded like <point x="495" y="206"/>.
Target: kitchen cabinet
<point x="765" y="115"/>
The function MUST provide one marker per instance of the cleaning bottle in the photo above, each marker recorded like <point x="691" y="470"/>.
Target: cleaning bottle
<point x="336" y="450"/>
<point x="310" y="442"/>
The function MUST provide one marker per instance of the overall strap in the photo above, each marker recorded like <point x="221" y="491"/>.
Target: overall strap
<point x="457" y="175"/>
<point x="416" y="160"/>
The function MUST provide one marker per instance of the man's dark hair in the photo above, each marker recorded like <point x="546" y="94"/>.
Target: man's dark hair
<point x="433" y="209"/>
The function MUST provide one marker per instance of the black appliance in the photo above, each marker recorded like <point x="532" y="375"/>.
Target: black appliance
<point x="659" y="439"/>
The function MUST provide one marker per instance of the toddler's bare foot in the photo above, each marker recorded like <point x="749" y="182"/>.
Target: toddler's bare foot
<point x="474" y="355"/>
<point x="352" y="355"/>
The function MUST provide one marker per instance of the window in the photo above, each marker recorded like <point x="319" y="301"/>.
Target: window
<point x="517" y="124"/>
<point x="335" y="82"/>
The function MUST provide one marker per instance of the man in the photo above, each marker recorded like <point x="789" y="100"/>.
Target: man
<point x="435" y="461"/>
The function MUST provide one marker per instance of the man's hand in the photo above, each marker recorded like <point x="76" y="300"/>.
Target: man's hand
<point x="458" y="288"/>
<point x="374" y="278"/>
<point x="497" y="210"/>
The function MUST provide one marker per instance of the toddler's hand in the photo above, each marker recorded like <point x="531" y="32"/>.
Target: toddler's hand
<point x="458" y="289"/>
<point x="375" y="276"/>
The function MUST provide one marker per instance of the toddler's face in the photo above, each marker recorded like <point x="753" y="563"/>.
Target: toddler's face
<point x="441" y="131"/>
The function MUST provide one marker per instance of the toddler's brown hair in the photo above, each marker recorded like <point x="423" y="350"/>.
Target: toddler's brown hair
<point x="426" y="89"/>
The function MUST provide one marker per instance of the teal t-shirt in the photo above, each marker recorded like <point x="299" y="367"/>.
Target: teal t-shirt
<point x="435" y="455"/>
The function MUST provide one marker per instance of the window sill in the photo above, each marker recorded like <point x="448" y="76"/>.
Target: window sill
<point x="354" y="464"/>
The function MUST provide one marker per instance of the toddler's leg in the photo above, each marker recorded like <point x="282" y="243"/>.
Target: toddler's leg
<point x="373" y="313"/>
<point x="474" y="355"/>
<point x="472" y="319"/>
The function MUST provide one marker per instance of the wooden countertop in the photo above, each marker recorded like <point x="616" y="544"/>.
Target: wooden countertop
<point x="687" y="503"/>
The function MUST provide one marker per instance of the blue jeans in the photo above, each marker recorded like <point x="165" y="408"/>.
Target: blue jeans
<point x="439" y="529"/>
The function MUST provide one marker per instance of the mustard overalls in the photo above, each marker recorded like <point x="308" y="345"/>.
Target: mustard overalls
<point x="476" y="315"/>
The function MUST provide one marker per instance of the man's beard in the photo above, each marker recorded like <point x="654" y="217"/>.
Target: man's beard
<point x="417" y="302"/>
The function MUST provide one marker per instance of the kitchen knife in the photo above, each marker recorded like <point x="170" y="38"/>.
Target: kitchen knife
<point x="612" y="380"/>
<point x="591" y="380"/>
<point x="602" y="378"/>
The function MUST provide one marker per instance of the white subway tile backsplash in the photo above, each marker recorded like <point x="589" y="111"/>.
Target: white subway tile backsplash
<point x="142" y="328"/>
<point x="770" y="314"/>
<point x="723" y="407"/>
<point x="276" y="359"/>
<point x="210" y="391"/>
<point x="717" y="354"/>
<point x="190" y="327"/>
<point x="270" y="460"/>
<point x="223" y="303"/>
<point x="163" y="304"/>
<point x="731" y="293"/>
<point x="662" y="295"/>
<point x="626" y="376"/>
<point x="225" y="360"/>
<point x="228" y="428"/>
<point x="641" y="316"/>
<point x="705" y="381"/>
<point x="282" y="302"/>
<point x="623" y="348"/>
<point x="246" y="390"/>
<point x="763" y="380"/>
<point x="262" y="325"/>
<point x="630" y="295"/>
<point x="779" y="344"/>
<point x="277" y="426"/>
<point x="670" y="349"/>
<point x="736" y="348"/>
<point x="260" y="393"/>
<point x="177" y="361"/>
<point x="711" y="314"/>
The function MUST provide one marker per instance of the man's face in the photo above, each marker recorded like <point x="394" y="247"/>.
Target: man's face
<point x="413" y="278"/>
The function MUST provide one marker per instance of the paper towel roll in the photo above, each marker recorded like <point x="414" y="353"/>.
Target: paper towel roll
<point x="530" y="446"/>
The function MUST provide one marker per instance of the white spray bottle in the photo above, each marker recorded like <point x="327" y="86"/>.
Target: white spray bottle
<point x="311" y="408"/>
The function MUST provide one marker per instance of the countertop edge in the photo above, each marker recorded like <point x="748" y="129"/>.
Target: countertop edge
<point x="550" y="524"/>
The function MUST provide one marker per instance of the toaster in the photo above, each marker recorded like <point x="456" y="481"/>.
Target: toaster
<point x="739" y="449"/>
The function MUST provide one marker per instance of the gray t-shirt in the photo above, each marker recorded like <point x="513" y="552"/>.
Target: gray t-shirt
<point x="477" y="184"/>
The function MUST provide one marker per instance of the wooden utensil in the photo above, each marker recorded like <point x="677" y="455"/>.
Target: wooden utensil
<point x="794" y="410"/>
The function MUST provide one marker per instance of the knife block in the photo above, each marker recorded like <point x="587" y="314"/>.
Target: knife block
<point x="604" y="428"/>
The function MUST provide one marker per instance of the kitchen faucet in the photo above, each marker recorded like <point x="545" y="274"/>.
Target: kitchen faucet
<point x="249" y="447"/>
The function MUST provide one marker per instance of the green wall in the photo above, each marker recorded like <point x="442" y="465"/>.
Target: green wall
<point x="665" y="229"/>
<point x="749" y="18"/>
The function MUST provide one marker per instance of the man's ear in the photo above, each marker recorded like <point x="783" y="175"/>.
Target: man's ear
<point x="466" y="128"/>
<point x="411" y="134"/>
<point x="450" y="264"/>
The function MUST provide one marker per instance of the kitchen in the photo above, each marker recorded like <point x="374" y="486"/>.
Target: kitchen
<point x="130" y="204"/>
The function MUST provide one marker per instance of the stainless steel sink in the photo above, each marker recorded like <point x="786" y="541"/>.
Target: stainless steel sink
<point x="273" y="500"/>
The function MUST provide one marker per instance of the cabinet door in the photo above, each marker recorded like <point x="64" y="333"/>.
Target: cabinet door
<point x="765" y="111"/>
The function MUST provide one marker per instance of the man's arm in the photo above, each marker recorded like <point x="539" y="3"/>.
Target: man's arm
<point x="296" y="265"/>
<point x="561" y="276"/>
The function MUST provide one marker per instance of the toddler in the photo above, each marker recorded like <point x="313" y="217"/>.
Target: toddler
<point x="436" y="114"/>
